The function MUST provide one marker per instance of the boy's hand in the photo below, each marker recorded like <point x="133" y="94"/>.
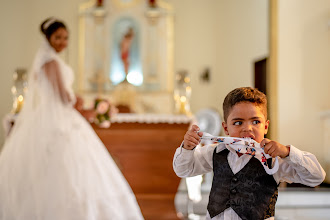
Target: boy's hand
<point x="192" y="138"/>
<point x="274" y="148"/>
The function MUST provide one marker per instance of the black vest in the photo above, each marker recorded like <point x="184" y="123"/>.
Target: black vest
<point x="251" y="192"/>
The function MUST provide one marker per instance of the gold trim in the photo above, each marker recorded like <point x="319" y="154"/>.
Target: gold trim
<point x="169" y="87"/>
<point x="86" y="5"/>
<point x="165" y="5"/>
<point x="170" y="73"/>
<point x="83" y="7"/>
<point x="272" y="84"/>
<point x="122" y="4"/>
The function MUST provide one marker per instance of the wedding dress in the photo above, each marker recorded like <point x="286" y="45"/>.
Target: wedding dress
<point x="53" y="166"/>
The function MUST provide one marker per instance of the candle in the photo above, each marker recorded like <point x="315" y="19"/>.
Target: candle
<point x="19" y="103"/>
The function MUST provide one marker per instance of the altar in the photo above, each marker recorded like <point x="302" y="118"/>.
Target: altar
<point x="127" y="57"/>
<point x="325" y="117"/>
<point x="143" y="147"/>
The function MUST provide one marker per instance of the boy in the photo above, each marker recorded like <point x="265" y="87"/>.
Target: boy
<point x="241" y="189"/>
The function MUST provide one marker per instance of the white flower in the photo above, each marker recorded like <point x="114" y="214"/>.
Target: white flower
<point x="102" y="107"/>
<point x="105" y="124"/>
<point x="113" y="111"/>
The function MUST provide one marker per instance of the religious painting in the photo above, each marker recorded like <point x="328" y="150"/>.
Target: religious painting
<point x="126" y="40"/>
<point x="125" y="63"/>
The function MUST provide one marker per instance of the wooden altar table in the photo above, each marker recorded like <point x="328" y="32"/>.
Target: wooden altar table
<point x="143" y="147"/>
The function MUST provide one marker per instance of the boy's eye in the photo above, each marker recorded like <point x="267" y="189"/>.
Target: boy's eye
<point x="237" y="123"/>
<point x="255" y="122"/>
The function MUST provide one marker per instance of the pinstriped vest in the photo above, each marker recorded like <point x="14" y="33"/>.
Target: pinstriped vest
<point x="251" y="192"/>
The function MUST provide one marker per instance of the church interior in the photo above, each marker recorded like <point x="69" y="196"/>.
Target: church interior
<point x="186" y="55"/>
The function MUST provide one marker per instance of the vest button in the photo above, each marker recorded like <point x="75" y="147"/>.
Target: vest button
<point x="233" y="191"/>
<point x="235" y="179"/>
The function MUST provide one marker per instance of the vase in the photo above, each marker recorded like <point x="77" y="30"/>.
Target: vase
<point x="19" y="89"/>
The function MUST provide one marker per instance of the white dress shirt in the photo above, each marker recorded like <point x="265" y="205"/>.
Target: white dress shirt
<point x="299" y="167"/>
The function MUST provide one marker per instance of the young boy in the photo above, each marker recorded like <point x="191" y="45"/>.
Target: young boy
<point x="241" y="189"/>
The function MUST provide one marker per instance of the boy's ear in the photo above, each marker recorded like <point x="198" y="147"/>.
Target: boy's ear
<point x="266" y="126"/>
<point x="225" y="128"/>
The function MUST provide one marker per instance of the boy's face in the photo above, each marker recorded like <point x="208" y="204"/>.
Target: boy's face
<point x="246" y="120"/>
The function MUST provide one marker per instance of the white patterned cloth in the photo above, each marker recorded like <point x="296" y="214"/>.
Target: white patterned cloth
<point x="246" y="146"/>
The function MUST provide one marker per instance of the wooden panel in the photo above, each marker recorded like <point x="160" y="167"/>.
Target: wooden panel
<point x="144" y="154"/>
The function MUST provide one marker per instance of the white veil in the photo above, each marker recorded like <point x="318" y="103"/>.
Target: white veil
<point x="43" y="100"/>
<point x="30" y="143"/>
<point x="53" y="165"/>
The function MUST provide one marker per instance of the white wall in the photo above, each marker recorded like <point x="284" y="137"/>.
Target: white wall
<point x="303" y="72"/>
<point x="227" y="37"/>
<point x="243" y="39"/>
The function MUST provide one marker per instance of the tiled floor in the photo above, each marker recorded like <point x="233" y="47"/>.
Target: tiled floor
<point x="292" y="204"/>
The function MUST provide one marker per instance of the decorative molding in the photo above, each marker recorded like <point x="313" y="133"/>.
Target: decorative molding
<point x="151" y="118"/>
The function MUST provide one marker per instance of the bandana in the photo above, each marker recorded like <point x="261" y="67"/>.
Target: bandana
<point x="245" y="146"/>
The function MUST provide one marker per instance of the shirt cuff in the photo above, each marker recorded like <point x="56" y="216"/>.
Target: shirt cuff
<point x="295" y="155"/>
<point x="185" y="151"/>
<point x="182" y="155"/>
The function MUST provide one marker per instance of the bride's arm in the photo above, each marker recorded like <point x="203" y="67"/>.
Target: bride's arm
<point x="54" y="75"/>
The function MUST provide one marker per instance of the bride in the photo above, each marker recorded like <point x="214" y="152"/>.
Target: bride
<point x="53" y="166"/>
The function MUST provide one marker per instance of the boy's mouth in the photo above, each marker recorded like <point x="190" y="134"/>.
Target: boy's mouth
<point x="250" y="136"/>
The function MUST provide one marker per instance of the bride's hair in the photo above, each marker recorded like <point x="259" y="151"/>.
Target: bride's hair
<point x="50" y="25"/>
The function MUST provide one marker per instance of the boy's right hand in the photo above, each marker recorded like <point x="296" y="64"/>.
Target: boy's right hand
<point x="192" y="138"/>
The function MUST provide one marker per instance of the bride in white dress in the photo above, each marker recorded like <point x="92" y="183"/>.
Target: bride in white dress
<point x="53" y="166"/>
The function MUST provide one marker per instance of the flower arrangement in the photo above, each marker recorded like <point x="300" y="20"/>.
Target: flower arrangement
<point x="104" y="112"/>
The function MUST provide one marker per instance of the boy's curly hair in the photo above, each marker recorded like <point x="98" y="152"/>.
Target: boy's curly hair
<point x="244" y="94"/>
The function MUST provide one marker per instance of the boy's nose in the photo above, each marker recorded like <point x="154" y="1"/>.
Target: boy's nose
<point x="247" y="127"/>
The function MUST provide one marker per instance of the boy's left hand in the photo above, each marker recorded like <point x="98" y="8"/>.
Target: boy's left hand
<point x="274" y="148"/>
